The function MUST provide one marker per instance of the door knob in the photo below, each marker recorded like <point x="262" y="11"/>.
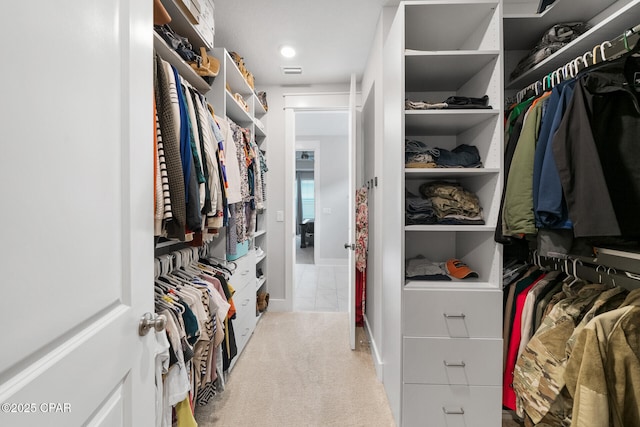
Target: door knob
<point x="151" y="320"/>
<point x="351" y="246"/>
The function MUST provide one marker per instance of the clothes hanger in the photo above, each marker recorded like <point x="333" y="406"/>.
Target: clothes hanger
<point x="576" y="278"/>
<point x="610" y="272"/>
<point x="594" y="54"/>
<point x="602" y="47"/>
<point x="584" y="58"/>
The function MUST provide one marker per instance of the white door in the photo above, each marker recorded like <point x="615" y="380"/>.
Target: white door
<point x="352" y="212"/>
<point x="76" y="171"/>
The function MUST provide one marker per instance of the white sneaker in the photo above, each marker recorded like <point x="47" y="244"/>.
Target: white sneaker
<point x="259" y="251"/>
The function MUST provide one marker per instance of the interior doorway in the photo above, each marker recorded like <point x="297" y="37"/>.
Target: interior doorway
<point x="321" y="211"/>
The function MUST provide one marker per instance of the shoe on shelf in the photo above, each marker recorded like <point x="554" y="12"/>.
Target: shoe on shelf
<point x="259" y="273"/>
<point x="262" y="301"/>
<point x="259" y="251"/>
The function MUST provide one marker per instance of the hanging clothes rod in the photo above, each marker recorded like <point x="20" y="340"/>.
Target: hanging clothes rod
<point x="614" y="267"/>
<point x="604" y="51"/>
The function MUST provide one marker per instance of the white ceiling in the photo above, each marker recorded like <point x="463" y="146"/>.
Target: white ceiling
<point x="332" y="37"/>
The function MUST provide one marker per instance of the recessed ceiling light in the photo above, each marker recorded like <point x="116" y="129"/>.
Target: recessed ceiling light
<point x="287" y="51"/>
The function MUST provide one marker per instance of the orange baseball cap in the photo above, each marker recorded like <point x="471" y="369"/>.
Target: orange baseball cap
<point x="459" y="269"/>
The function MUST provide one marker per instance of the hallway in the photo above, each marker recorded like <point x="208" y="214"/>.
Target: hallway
<point x="321" y="288"/>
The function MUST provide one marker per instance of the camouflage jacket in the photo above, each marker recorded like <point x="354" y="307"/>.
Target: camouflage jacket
<point x="603" y="374"/>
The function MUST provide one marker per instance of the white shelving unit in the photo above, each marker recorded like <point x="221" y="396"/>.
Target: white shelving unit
<point x="458" y="321"/>
<point x="229" y="82"/>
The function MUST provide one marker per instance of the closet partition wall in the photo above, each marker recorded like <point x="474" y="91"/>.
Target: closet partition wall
<point x="443" y="98"/>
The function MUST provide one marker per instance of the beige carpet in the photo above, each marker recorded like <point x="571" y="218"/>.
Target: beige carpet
<point x="298" y="370"/>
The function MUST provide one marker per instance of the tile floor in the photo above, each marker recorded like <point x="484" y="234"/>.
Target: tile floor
<point x="320" y="288"/>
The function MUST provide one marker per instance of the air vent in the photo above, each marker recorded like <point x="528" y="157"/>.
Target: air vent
<point x="291" y="70"/>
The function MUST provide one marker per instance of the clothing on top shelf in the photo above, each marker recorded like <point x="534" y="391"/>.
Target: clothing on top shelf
<point x="419" y="155"/>
<point x="452" y="102"/>
<point x="554" y="39"/>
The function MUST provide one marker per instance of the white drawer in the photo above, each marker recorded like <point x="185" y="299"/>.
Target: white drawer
<point x="455" y="313"/>
<point x="451" y="406"/>
<point x="245" y="272"/>
<point x="453" y="361"/>
<point x="245" y="302"/>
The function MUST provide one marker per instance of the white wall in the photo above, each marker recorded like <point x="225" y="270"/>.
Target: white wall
<point x="372" y="85"/>
<point x="275" y="124"/>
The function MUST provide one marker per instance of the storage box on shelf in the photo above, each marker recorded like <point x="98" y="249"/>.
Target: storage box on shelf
<point x="193" y="19"/>
<point x="439" y="370"/>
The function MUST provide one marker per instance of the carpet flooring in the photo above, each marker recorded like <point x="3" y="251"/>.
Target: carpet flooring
<point x="298" y="370"/>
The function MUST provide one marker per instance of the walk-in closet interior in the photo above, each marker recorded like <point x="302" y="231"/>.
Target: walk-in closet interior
<point x="493" y="248"/>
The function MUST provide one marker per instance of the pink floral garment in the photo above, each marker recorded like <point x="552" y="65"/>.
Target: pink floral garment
<point x="362" y="229"/>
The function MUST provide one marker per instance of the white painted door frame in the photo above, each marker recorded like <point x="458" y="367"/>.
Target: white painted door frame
<point x="329" y="101"/>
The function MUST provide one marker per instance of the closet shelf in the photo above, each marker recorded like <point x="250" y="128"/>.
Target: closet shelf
<point x="181" y="24"/>
<point x="438" y="227"/>
<point x="609" y="28"/>
<point x="259" y="110"/>
<point x="234" y="77"/>
<point x="261" y="257"/>
<point x="259" y="132"/>
<point x="235" y="111"/>
<point x="444" y="70"/>
<point x="448" y="285"/>
<point x="431" y="173"/>
<point x="444" y="122"/>
<point x="523" y="31"/>
<point x="183" y="68"/>
<point x="259" y="233"/>
<point x="260" y="282"/>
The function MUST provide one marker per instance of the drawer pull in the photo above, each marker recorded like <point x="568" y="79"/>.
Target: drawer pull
<point x="244" y="273"/>
<point x="246" y="331"/>
<point x="246" y="302"/>
<point x="454" y="364"/>
<point x="453" y="411"/>
<point x="454" y="316"/>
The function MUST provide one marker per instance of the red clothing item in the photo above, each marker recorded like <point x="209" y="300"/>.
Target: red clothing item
<point x="508" y="394"/>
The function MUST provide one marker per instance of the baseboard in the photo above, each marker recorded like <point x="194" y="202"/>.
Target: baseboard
<point x="332" y="261"/>
<point x="279" y="305"/>
<point x="375" y="354"/>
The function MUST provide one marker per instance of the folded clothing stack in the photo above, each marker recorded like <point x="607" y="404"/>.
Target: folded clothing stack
<point x="452" y="102"/>
<point x="446" y="203"/>
<point x="417" y="154"/>
<point x="554" y="39"/>
<point x="421" y="268"/>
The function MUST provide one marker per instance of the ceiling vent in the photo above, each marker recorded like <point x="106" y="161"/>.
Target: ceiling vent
<point x="291" y="70"/>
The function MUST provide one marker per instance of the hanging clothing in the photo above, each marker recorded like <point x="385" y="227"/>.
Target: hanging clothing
<point x="603" y="374"/>
<point x="518" y="204"/>
<point x="362" y="237"/>
<point x="596" y="151"/>
<point x="166" y="99"/>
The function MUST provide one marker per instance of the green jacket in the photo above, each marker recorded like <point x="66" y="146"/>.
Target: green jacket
<point x="603" y="373"/>
<point x="518" y="203"/>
